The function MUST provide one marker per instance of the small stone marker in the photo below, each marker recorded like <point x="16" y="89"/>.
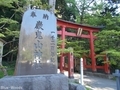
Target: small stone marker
<point x="37" y="44"/>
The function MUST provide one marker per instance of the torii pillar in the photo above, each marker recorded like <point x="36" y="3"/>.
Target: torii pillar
<point x="62" y="47"/>
<point x="92" y="54"/>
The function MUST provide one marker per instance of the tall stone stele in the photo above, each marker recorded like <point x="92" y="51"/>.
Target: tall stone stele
<point x="37" y="44"/>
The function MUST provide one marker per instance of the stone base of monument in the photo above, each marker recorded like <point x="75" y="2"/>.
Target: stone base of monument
<point x="35" y="82"/>
<point x="38" y="82"/>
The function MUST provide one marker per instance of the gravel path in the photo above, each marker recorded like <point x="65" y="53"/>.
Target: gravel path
<point x="97" y="83"/>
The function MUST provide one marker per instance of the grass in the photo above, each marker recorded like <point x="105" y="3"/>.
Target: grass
<point x="10" y="66"/>
<point x="87" y="88"/>
<point x="1" y="74"/>
<point x="114" y="78"/>
<point x="10" y="72"/>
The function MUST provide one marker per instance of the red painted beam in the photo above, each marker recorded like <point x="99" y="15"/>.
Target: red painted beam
<point x="76" y="26"/>
<point x="100" y="67"/>
<point x="65" y="68"/>
<point x="74" y="34"/>
<point x="88" y="66"/>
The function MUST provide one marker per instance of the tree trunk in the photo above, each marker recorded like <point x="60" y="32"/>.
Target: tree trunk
<point x="52" y="4"/>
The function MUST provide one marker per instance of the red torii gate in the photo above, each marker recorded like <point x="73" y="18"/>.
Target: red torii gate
<point x="66" y="24"/>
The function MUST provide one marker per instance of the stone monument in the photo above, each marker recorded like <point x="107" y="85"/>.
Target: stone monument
<point x="37" y="43"/>
<point x="36" y="65"/>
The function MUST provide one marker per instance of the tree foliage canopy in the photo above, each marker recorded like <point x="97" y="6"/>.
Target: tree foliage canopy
<point x="88" y="12"/>
<point x="102" y="14"/>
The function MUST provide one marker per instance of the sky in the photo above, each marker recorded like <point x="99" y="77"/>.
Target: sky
<point x="98" y="1"/>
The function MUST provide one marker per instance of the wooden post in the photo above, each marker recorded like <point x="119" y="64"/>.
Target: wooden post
<point x="106" y="65"/>
<point x="70" y="65"/>
<point x="84" y="63"/>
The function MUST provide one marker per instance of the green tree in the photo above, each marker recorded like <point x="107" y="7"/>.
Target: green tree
<point x="107" y="41"/>
<point x="10" y="18"/>
<point x="105" y="15"/>
<point x="10" y="22"/>
<point x="66" y="10"/>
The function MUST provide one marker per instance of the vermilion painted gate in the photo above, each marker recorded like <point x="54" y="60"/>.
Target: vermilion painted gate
<point x="79" y="28"/>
